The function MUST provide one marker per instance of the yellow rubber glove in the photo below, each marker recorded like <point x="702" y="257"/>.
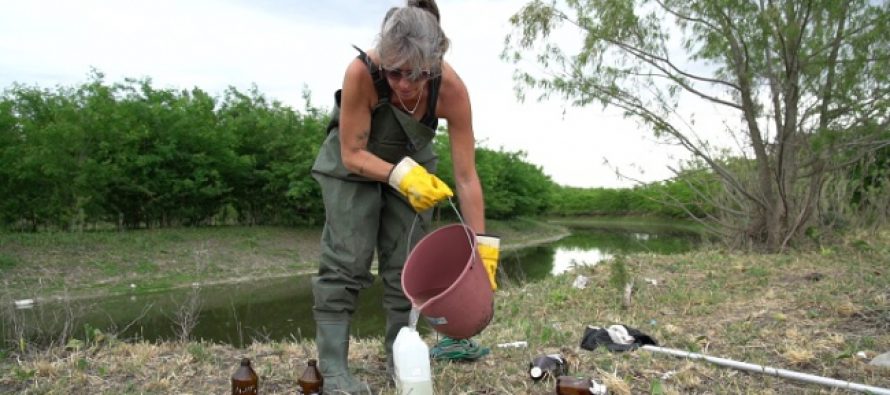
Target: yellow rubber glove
<point x="489" y="250"/>
<point x="422" y="189"/>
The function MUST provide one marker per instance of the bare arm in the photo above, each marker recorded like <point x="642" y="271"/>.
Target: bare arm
<point x="454" y="106"/>
<point x="356" y="101"/>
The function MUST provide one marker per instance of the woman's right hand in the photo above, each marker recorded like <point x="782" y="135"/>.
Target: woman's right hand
<point x="423" y="190"/>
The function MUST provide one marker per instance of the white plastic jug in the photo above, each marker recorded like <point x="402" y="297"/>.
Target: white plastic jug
<point x="411" y="357"/>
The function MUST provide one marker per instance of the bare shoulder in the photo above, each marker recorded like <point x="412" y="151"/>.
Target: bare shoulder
<point x="358" y="86"/>
<point x="357" y="69"/>
<point x="453" y="96"/>
<point x="452" y="84"/>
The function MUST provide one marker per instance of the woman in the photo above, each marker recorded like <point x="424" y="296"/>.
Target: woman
<point x="375" y="170"/>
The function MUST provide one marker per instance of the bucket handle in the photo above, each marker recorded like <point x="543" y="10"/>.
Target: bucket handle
<point x="459" y="217"/>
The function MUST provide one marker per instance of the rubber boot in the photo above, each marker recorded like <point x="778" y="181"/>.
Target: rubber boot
<point x="395" y="320"/>
<point x="332" y="340"/>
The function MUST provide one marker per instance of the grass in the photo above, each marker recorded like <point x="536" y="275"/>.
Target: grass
<point x="7" y="263"/>
<point x="808" y="311"/>
<point x="47" y="265"/>
<point x="523" y="232"/>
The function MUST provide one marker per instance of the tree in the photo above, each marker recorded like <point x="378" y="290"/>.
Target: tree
<point x="512" y="186"/>
<point x="808" y="79"/>
<point x="277" y="147"/>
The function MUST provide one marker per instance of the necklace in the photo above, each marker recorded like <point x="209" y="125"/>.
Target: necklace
<point x="404" y="107"/>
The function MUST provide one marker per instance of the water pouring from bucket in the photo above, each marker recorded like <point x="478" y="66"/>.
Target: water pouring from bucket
<point x="445" y="280"/>
<point x="413" y="317"/>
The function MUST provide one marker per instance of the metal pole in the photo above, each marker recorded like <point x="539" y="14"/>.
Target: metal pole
<point x="773" y="371"/>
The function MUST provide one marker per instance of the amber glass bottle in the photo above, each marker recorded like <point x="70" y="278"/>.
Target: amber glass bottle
<point x="311" y="381"/>
<point x="245" y="380"/>
<point x="568" y="385"/>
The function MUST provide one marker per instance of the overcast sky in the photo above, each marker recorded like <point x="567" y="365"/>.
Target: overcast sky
<point x="283" y="46"/>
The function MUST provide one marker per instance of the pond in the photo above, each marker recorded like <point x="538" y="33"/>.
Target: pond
<point x="281" y="309"/>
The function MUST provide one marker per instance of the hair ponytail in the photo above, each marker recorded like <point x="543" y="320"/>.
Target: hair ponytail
<point x="428" y="5"/>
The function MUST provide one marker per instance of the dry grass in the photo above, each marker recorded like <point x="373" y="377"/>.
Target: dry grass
<point x="808" y="311"/>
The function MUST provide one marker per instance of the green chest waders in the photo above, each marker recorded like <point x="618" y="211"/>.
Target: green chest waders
<point x="362" y="216"/>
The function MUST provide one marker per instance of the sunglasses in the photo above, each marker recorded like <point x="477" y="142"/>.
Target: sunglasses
<point x="398" y="74"/>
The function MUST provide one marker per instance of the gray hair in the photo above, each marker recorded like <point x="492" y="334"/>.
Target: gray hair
<point x="412" y="37"/>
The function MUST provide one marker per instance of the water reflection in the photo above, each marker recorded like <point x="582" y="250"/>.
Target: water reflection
<point x="281" y="309"/>
<point x="568" y="258"/>
<point x="588" y="246"/>
<point x="238" y="314"/>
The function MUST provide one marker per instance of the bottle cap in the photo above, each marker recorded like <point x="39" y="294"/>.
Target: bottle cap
<point x="597" y="388"/>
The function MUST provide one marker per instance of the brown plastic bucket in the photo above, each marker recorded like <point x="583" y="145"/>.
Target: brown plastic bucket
<point x="445" y="280"/>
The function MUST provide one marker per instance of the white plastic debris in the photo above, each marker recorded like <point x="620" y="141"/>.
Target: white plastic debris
<point x="862" y="355"/>
<point x="24" y="303"/>
<point x="517" y="344"/>
<point x="652" y="281"/>
<point x="881" y="360"/>
<point x="580" y="282"/>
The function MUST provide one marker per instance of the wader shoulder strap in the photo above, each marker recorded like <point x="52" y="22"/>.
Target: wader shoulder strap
<point x="380" y="86"/>
<point x="335" y="114"/>
<point x="430" y="119"/>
